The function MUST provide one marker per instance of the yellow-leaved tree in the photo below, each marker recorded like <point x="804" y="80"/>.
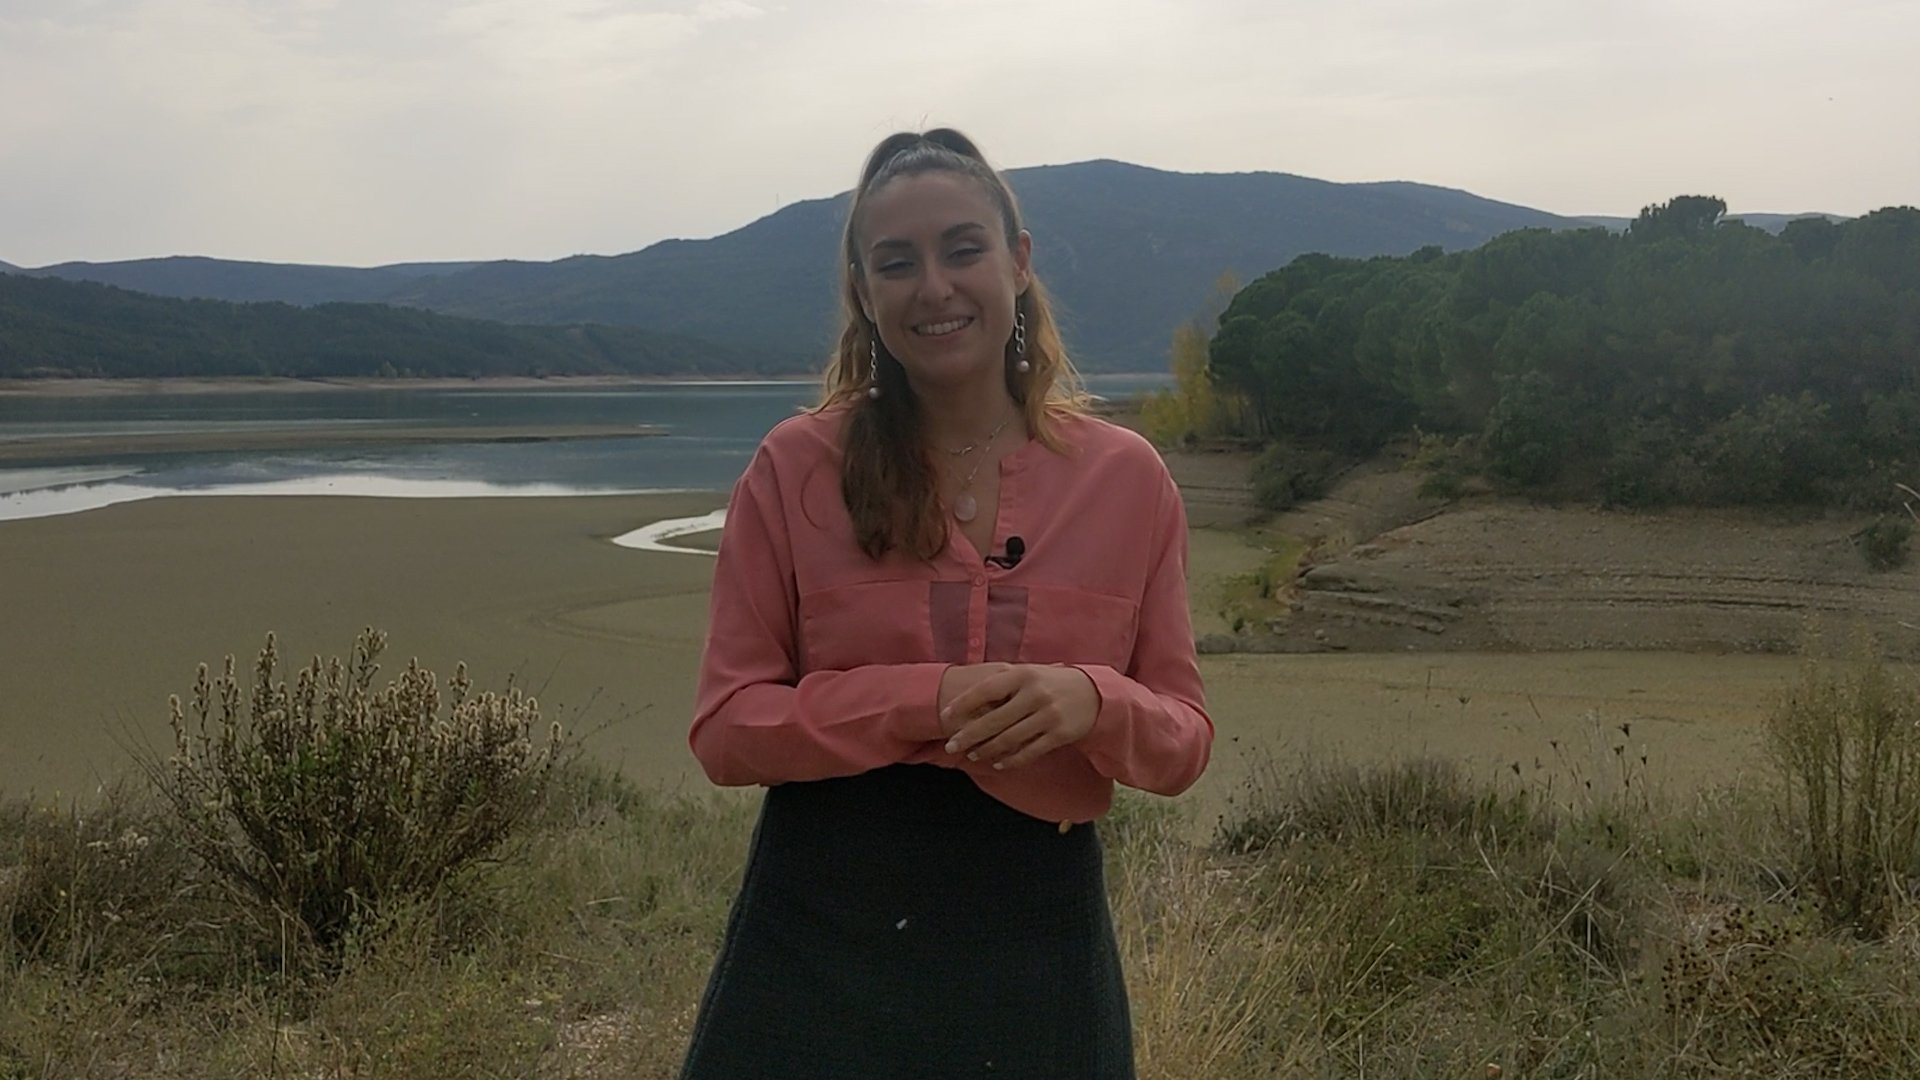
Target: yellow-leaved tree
<point x="1195" y="408"/>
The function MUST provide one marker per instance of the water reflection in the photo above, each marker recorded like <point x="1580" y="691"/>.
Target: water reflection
<point x="60" y="476"/>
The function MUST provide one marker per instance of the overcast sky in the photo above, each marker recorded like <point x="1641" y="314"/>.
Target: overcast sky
<point x="369" y="131"/>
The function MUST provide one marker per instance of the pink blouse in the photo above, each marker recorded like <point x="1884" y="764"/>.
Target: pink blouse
<point x="821" y="662"/>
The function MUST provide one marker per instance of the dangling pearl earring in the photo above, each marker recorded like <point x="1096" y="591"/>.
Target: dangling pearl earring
<point x="1020" y="342"/>
<point x="873" y="368"/>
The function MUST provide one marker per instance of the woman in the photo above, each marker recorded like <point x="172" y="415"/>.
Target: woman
<point x="949" y="613"/>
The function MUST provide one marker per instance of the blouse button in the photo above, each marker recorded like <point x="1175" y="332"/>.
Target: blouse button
<point x="973" y="643"/>
<point x="979" y="579"/>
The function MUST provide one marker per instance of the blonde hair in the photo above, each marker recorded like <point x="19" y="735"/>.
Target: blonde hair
<point x="886" y="474"/>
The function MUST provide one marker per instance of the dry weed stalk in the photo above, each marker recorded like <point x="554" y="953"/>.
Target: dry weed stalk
<point x="1847" y="741"/>
<point x="1913" y="512"/>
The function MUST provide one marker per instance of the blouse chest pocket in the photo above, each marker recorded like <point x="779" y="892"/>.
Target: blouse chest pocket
<point x="1076" y="626"/>
<point x="875" y="622"/>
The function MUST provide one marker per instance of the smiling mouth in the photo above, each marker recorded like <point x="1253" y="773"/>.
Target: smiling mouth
<point x="941" y="329"/>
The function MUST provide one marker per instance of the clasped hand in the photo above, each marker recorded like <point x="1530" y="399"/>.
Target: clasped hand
<point x="1009" y="715"/>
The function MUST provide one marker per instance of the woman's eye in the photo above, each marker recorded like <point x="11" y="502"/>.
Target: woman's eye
<point x="966" y="253"/>
<point x="892" y="268"/>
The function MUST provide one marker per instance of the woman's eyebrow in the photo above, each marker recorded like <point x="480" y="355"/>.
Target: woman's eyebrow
<point x="948" y="233"/>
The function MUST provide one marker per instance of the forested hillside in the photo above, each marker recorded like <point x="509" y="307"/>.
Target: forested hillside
<point x="1686" y="359"/>
<point x="51" y="328"/>
<point x="196" y="277"/>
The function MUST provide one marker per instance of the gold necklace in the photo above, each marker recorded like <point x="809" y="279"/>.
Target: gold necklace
<point x="965" y="507"/>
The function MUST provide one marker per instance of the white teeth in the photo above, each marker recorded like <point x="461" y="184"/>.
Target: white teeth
<point x="936" y="329"/>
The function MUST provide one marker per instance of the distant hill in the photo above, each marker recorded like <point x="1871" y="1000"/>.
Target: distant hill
<point x="197" y="277"/>
<point x="8" y="268"/>
<point x="1773" y="223"/>
<point x="1130" y="252"/>
<point x="68" y="328"/>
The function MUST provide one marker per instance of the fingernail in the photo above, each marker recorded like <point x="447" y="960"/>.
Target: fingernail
<point x="952" y="746"/>
<point x="999" y="765"/>
<point x="971" y="756"/>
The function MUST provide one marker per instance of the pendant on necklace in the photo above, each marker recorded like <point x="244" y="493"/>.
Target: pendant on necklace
<point x="964" y="508"/>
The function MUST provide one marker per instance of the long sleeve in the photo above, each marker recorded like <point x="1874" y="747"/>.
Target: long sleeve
<point x="1152" y="731"/>
<point x="755" y="720"/>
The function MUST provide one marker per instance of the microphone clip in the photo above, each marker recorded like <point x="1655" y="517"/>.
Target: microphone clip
<point x="1016" y="550"/>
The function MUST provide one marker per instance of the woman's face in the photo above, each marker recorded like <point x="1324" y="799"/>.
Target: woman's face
<point x="938" y="278"/>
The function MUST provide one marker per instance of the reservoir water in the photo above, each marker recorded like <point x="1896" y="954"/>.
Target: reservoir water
<point x="710" y="431"/>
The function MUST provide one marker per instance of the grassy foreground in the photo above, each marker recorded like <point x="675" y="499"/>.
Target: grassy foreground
<point x="1390" y="921"/>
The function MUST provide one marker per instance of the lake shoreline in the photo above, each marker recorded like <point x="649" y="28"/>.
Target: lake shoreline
<point x="86" y="449"/>
<point x="197" y="385"/>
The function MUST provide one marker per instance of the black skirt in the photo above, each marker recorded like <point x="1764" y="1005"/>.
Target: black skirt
<point x="903" y="923"/>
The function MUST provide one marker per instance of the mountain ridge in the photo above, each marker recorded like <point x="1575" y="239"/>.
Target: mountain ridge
<point x="1128" y="251"/>
<point x="202" y="277"/>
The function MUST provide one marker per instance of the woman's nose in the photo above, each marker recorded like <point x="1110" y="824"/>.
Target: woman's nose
<point x="934" y="283"/>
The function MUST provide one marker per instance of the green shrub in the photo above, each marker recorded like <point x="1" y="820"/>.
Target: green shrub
<point x="1651" y="464"/>
<point x="1446" y="486"/>
<point x="1284" y="475"/>
<point x="1891" y="431"/>
<point x="1886" y="543"/>
<point x="326" y="802"/>
<point x="1847" y="740"/>
<point x="1779" y="452"/>
<point x="1529" y="434"/>
<point x="1447" y="462"/>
